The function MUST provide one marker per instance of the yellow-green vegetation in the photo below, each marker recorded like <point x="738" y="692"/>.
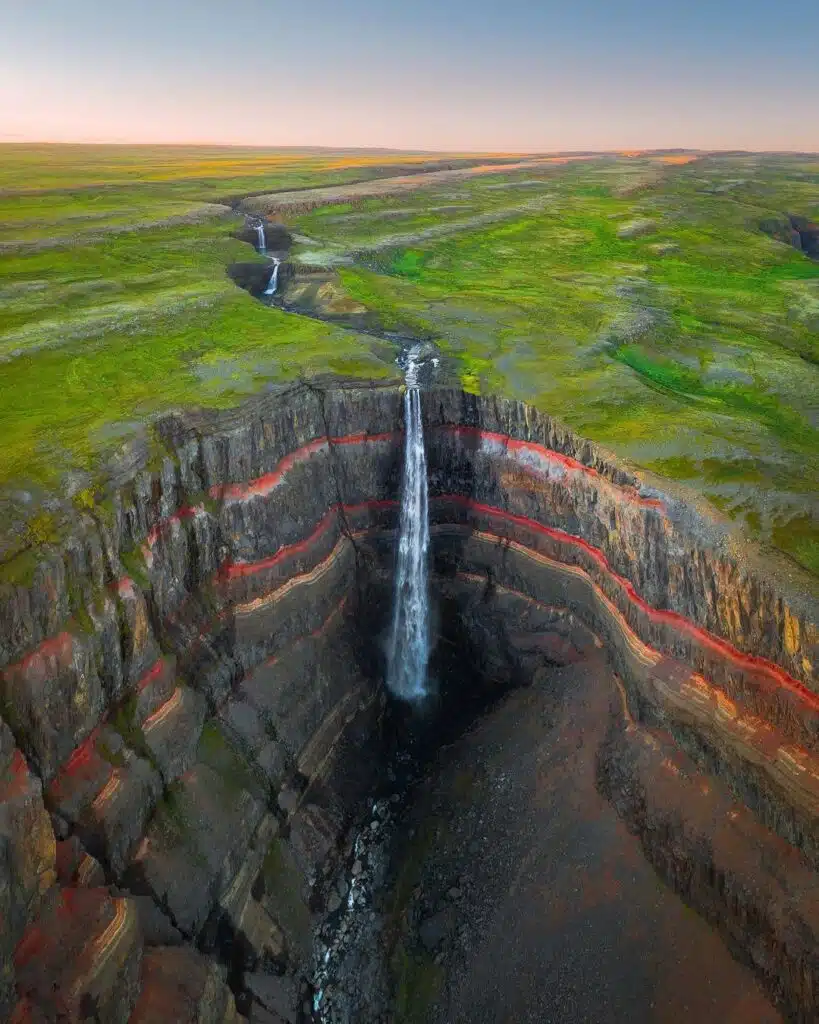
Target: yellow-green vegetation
<point x="124" y="721"/>
<point x="41" y="529"/>
<point x="418" y="982"/>
<point x="415" y="977"/>
<point x="283" y="885"/>
<point x="215" y="751"/>
<point x="102" y="329"/>
<point x="636" y="299"/>
<point x="199" y="171"/>
<point x="643" y="306"/>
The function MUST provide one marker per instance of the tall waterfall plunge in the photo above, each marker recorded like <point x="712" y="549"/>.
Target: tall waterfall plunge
<point x="261" y="244"/>
<point x="409" y="638"/>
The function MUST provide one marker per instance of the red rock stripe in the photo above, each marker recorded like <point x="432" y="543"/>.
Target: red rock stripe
<point x="512" y="444"/>
<point x="186" y="512"/>
<point x="748" y="662"/>
<point x="316" y="634"/>
<point x="154" y="672"/>
<point x="234" y="570"/>
<point x="163" y="710"/>
<point x="264" y="484"/>
<point x="18" y="764"/>
<point x="82" y="755"/>
<point x="59" y="646"/>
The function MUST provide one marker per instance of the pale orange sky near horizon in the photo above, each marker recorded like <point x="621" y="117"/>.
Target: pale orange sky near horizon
<point x="462" y="76"/>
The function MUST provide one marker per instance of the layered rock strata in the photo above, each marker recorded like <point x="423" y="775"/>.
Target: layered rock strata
<point x="189" y="681"/>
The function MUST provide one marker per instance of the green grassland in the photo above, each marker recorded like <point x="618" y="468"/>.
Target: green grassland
<point x="102" y="330"/>
<point x="55" y="192"/>
<point x="690" y="349"/>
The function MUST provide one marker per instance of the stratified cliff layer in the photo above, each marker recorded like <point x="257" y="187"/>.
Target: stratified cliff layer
<point x="191" y="684"/>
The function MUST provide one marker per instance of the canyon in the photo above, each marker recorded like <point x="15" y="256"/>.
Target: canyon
<point x="194" y="721"/>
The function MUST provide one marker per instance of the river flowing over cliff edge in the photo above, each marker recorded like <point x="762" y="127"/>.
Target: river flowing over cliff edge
<point x="194" y="713"/>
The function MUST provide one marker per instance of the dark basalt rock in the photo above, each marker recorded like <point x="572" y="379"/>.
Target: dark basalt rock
<point x="253" y="277"/>
<point x="808" y="233"/>
<point x="278" y="239"/>
<point x="192" y="682"/>
<point x="795" y="230"/>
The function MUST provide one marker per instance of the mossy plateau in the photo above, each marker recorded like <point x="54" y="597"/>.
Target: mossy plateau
<point x="689" y="349"/>
<point x="689" y="346"/>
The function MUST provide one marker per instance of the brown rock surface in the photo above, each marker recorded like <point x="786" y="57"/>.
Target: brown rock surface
<point x="81" y="958"/>
<point x="229" y="678"/>
<point x="27" y="855"/>
<point x="182" y="986"/>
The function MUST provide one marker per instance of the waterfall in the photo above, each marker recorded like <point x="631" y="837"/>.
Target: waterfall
<point x="409" y="639"/>
<point x="273" y="283"/>
<point x="261" y="243"/>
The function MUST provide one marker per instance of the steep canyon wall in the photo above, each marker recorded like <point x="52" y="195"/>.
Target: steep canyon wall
<point x="192" y="701"/>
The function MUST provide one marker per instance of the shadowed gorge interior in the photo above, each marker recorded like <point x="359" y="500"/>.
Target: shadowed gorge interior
<point x="202" y="757"/>
<point x="409" y="557"/>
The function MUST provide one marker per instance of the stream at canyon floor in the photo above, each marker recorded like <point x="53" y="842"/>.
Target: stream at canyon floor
<point x="492" y="882"/>
<point x="215" y="807"/>
<point x="491" y="879"/>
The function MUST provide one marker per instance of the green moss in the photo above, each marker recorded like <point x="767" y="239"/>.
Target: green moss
<point x="174" y="828"/>
<point x="82" y="619"/>
<point x="124" y="721"/>
<point x="171" y="820"/>
<point x="663" y="373"/>
<point x="216" y="752"/>
<point x="114" y="757"/>
<point x="85" y="500"/>
<point x="412" y="863"/>
<point x="211" y="505"/>
<point x="20" y="570"/>
<point x="134" y="564"/>
<point x="418" y="982"/>
<point x="116" y="329"/>
<point x="283" y="885"/>
<point x="408" y="263"/>
<point x="799" y="536"/>
<point x="92" y="361"/>
<point x="106" y="512"/>
<point x="678" y="467"/>
<point x="42" y="529"/>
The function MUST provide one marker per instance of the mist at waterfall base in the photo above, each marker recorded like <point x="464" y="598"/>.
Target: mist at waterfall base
<point x="408" y="653"/>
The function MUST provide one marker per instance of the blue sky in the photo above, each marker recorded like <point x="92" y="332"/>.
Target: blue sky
<point x="475" y="75"/>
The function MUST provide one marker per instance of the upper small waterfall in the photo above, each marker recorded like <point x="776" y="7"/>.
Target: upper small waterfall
<point x="261" y="243"/>
<point x="273" y="283"/>
<point x="409" y="639"/>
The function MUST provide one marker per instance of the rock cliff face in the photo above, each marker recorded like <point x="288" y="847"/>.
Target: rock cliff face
<point x="189" y="681"/>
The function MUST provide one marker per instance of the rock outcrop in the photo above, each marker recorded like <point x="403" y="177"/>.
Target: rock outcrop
<point x="189" y="680"/>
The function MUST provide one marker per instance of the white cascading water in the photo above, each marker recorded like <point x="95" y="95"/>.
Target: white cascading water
<point x="273" y="283"/>
<point x="261" y="240"/>
<point x="409" y="639"/>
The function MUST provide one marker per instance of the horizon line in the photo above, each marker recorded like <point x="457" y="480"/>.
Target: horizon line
<point x="619" y="151"/>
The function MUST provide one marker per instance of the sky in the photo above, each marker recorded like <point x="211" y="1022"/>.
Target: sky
<point x="466" y="75"/>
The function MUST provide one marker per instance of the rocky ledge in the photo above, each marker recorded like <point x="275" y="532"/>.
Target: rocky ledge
<point x="189" y="680"/>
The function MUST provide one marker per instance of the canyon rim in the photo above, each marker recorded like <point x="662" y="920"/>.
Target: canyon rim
<point x="342" y="678"/>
